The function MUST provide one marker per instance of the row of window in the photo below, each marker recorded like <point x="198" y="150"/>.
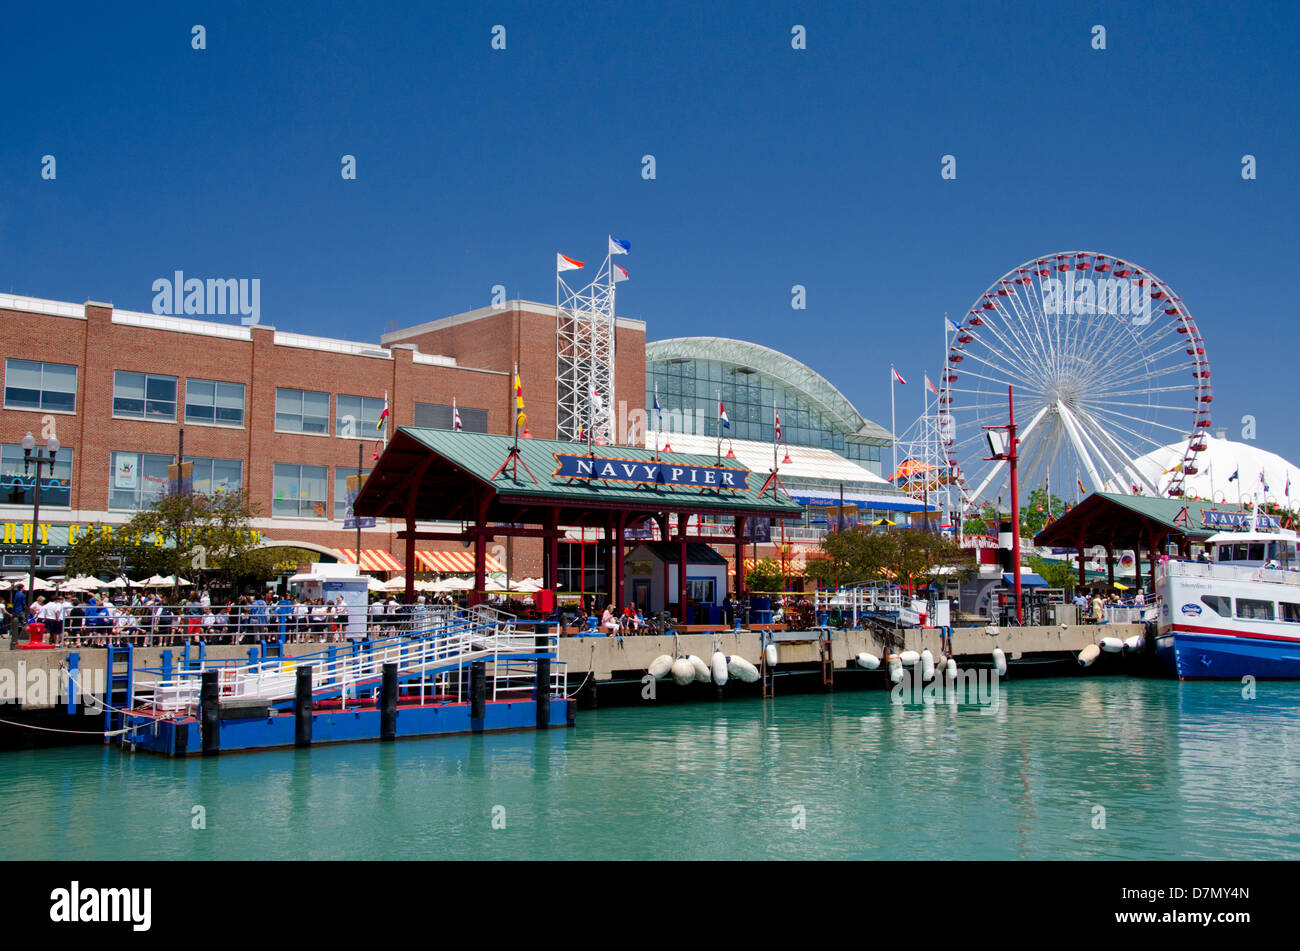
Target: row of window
<point x="1253" y="609"/>
<point x="138" y="479"/>
<point x="53" y="386"/>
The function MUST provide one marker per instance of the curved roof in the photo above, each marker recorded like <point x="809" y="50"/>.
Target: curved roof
<point x="1217" y="463"/>
<point x="772" y="363"/>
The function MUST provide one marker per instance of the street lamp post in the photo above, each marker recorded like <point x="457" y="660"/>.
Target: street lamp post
<point x="41" y="457"/>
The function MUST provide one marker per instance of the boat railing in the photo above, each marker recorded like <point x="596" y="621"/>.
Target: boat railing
<point x="1221" y="571"/>
<point x="359" y="667"/>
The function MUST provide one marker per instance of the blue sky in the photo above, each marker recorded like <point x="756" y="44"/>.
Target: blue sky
<point x="774" y="166"/>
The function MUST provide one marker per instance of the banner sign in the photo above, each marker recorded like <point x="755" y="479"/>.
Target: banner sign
<point x="1213" y="518"/>
<point x="62" y="534"/>
<point x="649" y="473"/>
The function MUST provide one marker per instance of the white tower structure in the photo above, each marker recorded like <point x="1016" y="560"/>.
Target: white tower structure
<point x="584" y="328"/>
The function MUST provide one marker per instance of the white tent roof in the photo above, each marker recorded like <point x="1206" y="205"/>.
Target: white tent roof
<point x="806" y="462"/>
<point x="1221" y="458"/>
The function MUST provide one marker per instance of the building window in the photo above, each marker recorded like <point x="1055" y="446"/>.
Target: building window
<point x="302" y="411"/>
<point x="438" y="416"/>
<point x="137" y="479"/>
<point x="357" y="417"/>
<point x="341" y="476"/>
<point x="570" y="565"/>
<point x="214" y="402"/>
<point x="1255" y="610"/>
<point x="300" y="491"/>
<point x="212" y="476"/>
<point x="701" y="590"/>
<point x="144" y="396"/>
<point x="40" y="386"/>
<point x="18" y="482"/>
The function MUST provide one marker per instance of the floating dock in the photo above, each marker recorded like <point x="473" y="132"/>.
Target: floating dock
<point x="478" y="676"/>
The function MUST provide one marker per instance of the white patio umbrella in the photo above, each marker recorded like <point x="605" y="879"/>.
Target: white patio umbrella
<point x="456" y="584"/>
<point x="395" y="584"/>
<point x="374" y="584"/>
<point x="529" y="586"/>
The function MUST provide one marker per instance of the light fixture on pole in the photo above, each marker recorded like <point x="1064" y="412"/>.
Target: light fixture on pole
<point x="42" y="457"/>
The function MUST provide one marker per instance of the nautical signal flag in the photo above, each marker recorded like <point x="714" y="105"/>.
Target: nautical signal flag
<point x="618" y="247"/>
<point x="1233" y="477"/>
<point x="1176" y="467"/>
<point x="897" y="376"/>
<point x="563" y="263"/>
<point x="382" y="416"/>
<point x="722" y="415"/>
<point x="952" y="327"/>
<point x="930" y="386"/>
<point x="620" y="274"/>
<point x="778" y="423"/>
<point x="519" y="400"/>
<point x="455" y="416"/>
<point x="1079" y="482"/>
<point x="594" y="400"/>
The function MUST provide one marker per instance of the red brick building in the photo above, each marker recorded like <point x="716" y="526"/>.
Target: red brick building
<point x="279" y="414"/>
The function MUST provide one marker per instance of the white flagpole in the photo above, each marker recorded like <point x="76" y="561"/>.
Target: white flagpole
<point x="893" y="433"/>
<point x="719" y="428"/>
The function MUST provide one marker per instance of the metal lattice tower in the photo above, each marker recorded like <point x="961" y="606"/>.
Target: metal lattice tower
<point x="584" y="328"/>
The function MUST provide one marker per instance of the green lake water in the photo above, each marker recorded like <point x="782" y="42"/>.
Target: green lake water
<point x="1180" y="769"/>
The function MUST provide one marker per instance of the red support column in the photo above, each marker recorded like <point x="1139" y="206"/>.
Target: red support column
<point x="409" y="594"/>
<point x="553" y="550"/>
<point x="619" y="593"/>
<point x="682" y="519"/>
<point x="1083" y="577"/>
<point x="740" y="560"/>
<point x="479" y="594"/>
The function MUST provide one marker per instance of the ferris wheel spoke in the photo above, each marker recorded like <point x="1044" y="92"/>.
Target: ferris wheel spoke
<point x="996" y="380"/>
<point x="1027" y="347"/>
<point x="1123" y="456"/>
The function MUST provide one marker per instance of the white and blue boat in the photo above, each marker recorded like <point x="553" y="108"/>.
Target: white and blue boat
<point x="1236" y="615"/>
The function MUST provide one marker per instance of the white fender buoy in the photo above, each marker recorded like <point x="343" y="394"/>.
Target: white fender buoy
<point x="869" y="661"/>
<point x="1000" y="661"/>
<point x="927" y="665"/>
<point x="1088" y="655"/>
<point x="1136" y="642"/>
<point x="770" y="653"/>
<point x="909" y="658"/>
<point x="895" y="670"/>
<point x="660" y="666"/>
<point x="950" y="671"/>
<point x="683" y="671"/>
<point x="701" y="669"/>
<point x="742" y="670"/>
<point x="1112" y="645"/>
<point x="719" y="668"/>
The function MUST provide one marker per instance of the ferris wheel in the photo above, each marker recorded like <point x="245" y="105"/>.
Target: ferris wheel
<point x="1107" y="364"/>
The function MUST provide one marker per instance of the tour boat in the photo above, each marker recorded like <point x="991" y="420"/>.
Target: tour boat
<point x="1236" y="615"/>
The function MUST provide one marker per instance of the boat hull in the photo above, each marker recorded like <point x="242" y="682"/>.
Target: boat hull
<point x="1203" y="654"/>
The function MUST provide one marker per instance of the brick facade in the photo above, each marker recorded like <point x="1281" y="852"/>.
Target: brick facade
<point x="483" y="344"/>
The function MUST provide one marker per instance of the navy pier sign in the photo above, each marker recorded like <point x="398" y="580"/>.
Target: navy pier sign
<point x="1215" y="518"/>
<point x="650" y="472"/>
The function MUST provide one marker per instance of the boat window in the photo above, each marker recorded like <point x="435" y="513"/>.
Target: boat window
<point x="1254" y="609"/>
<point x="1256" y="551"/>
<point x="1290" y="611"/>
<point x="1220" y="606"/>
<point x="1224" y="552"/>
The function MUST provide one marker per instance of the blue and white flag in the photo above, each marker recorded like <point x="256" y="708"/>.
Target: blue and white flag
<point x="618" y="247"/>
<point x="952" y="328"/>
<point x="1233" y="477"/>
<point x="659" y="413"/>
<point x="722" y="415"/>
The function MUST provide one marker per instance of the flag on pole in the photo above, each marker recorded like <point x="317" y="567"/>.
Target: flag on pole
<point x="519" y="400"/>
<point x="722" y="415"/>
<point x="1079" y="482"/>
<point x="897" y="375"/>
<point x="382" y="416"/>
<point x="1176" y="467"/>
<point x="1233" y="477"/>
<point x="617" y="246"/>
<point x="1263" y="481"/>
<point x="952" y="327"/>
<point x="620" y="274"/>
<point x="563" y="263"/>
<point x="593" y="399"/>
<point x="455" y="416"/>
<point x="659" y="413"/>
<point x="930" y="386"/>
<point x="777" y="413"/>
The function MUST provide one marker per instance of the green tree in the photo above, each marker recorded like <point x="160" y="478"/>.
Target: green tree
<point x="95" y="552"/>
<point x="919" y="555"/>
<point x="853" y="555"/>
<point x="1057" y="574"/>
<point x="764" y="576"/>
<point x="1034" y="512"/>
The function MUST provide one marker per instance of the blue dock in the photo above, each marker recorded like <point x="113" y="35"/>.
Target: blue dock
<point x="477" y="674"/>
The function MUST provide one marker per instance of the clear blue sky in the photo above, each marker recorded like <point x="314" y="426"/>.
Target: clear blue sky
<point x="775" y="167"/>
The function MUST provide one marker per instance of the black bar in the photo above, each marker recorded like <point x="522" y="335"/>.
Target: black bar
<point x="544" y="693"/>
<point x="571" y="712"/>
<point x="302" y="707"/>
<point x="477" y="691"/>
<point x="209" y="707"/>
<point x="388" y="703"/>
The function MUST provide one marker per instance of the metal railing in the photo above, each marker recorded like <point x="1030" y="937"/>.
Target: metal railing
<point x="1226" y="571"/>
<point x="436" y="662"/>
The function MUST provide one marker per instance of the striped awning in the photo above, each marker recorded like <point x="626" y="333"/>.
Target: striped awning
<point x="452" y="562"/>
<point x="794" y="564"/>
<point x="372" y="559"/>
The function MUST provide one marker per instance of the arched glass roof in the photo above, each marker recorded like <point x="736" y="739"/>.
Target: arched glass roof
<point x="773" y="364"/>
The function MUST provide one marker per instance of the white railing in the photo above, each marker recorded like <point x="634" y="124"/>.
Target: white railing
<point x="1225" y="571"/>
<point x="1130" y="613"/>
<point x="274" y="680"/>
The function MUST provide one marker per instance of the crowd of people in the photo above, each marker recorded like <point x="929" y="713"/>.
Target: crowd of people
<point x="148" y="620"/>
<point x="1092" y="603"/>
